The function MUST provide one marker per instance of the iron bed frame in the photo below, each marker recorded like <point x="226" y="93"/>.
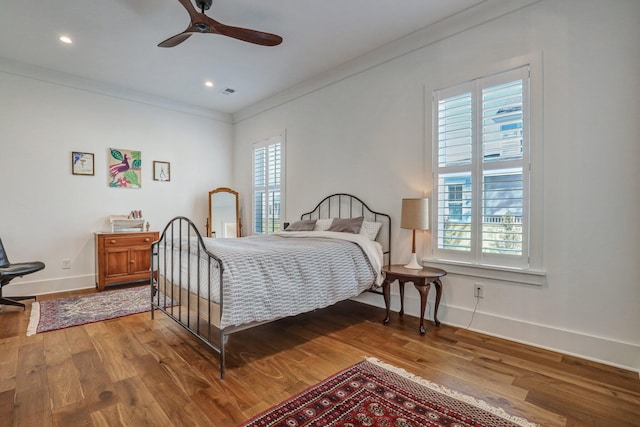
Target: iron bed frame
<point x="199" y="314"/>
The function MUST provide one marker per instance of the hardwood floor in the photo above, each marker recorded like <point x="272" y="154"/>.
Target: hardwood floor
<point x="135" y="371"/>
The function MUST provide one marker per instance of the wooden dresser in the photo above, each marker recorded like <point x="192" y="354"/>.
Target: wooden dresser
<point x="123" y="257"/>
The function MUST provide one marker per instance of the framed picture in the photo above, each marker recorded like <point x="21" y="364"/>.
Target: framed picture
<point x="161" y="171"/>
<point x="125" y="168"/>
<point x="81" y="163"/>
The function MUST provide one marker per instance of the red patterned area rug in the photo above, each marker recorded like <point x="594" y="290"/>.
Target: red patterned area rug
<point x="373" y="393"/>
<point x="61" y="313"/>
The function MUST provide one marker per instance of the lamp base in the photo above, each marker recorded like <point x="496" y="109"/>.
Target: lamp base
<point x="413" y="264"/>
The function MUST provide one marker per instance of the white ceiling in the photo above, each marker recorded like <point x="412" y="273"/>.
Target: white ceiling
<point x="115" y="42"/>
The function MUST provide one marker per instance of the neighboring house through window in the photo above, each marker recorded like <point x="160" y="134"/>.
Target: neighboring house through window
<point x="481" y="171"/>
<point x="268" y="182"/>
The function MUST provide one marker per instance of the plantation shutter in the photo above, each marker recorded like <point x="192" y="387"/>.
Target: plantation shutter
<point x="267" y="189"/>
<point x="481" y="170"/>
<point x="502" y="177"/>
<point x="259" y="195"/>
<point x="455" y="152"/>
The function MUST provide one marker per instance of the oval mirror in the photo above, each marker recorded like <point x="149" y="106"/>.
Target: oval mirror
<point x="224" y="221"/>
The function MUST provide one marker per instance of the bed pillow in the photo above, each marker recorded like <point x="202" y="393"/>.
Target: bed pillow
<point x="370" y="229"/>
<point x="323" y="224"/>
<point x="303" y="225"/>
<point x="347" y="225"/>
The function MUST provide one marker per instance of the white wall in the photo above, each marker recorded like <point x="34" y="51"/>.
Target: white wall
<point x="48" y="214"/>
<point x="367" y="132"/>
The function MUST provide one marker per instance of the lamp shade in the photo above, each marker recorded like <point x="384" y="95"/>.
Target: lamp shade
<point x="415" y="214"/>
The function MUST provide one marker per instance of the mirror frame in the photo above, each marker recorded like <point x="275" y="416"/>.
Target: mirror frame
<point x="209" y="223"/>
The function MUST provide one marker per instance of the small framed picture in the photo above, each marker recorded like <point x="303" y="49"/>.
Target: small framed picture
<point x="82" y="163"/>
<point x="161" y="171"/>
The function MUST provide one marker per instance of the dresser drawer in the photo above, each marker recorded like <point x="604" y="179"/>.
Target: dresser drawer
<point x="135" y="240"/>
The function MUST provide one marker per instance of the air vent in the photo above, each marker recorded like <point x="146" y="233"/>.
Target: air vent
<point x="227" y="91"/>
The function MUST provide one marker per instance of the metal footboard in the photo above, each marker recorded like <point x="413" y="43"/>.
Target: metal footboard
<point x="179" y="262"/>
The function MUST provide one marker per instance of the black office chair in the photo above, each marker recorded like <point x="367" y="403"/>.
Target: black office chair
<point x="9" y="271"/>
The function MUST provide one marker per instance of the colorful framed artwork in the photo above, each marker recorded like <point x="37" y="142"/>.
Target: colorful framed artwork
<point x="125" y="168"/>
<point x="82" y="163"/>
<point x="161" y="171"/>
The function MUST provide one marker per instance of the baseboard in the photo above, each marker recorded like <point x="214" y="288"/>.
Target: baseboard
<point x="50" y="286"/>
<point x="598" y="349"/>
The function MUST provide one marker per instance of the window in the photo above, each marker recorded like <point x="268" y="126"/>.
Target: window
<point x="481" y="171"/>
<point x="455" y="201"/>
<point x="268" y="179"/>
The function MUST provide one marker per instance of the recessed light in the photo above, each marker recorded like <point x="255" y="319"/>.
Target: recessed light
<point x="208" y="84"/>
<point x="65" y="39"/>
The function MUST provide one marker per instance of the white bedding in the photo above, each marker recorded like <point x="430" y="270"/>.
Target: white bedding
<point x="372" y="249"/>
<point x="269" y="277"/>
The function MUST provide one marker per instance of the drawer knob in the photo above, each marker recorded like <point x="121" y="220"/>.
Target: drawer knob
<point x="147" y="239"/>
<point x="132" y="262"/>
<point x="113" y="242"/>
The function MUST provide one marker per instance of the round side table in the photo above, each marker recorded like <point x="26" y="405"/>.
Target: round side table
<point x="421" y="279"/>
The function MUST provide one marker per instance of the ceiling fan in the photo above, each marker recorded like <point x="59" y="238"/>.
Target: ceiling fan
<point x="201" y="23"/>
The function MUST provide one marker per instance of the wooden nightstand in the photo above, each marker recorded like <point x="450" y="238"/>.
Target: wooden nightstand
<point x="123" y="257"/>
<point x="421" y="279"/>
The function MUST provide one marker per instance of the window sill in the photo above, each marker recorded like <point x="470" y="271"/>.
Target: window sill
<point x="530" y="277"/>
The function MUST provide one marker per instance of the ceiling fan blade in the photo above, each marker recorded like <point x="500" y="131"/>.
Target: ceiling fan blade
<point x="191" y="10"/>
<point x="175" y="40"/>
<point x="179" y="38"/>
<point x="201" y="23"/>
<point x="245" y="34"/>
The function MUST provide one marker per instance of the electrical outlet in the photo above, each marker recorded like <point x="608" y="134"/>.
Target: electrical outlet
<point x="66" y="264"/>
<point x="478" y="290"/>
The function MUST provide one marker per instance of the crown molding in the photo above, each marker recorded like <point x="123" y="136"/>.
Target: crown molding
<point x="474" y="16"/>
<point x="9" y="66"/>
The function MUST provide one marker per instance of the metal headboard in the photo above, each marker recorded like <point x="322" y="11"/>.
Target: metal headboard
<point x="342" y="205"/>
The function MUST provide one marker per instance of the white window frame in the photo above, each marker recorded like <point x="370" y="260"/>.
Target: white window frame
<point x="265" y="143"/>
<point x="474" y="263"/>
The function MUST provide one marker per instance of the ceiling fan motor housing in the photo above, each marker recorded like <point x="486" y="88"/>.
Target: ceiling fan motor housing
<point x="202" y="27"/>
<point x="204" y="4"/>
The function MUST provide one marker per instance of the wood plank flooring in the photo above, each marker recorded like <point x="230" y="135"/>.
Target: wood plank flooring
<point x="135" y="371"/>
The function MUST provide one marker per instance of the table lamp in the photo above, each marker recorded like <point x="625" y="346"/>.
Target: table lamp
<point x="415" y="216"/>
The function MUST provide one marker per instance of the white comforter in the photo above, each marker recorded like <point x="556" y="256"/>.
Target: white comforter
<point x="372" y="249"/>
<point x="270" y="277"/>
